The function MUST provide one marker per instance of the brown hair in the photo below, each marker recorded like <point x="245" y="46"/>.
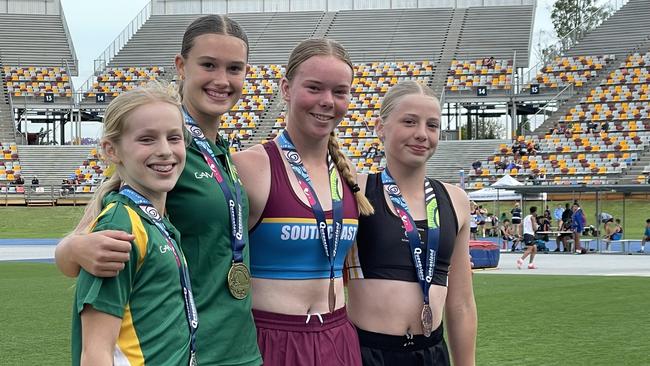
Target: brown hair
<point x="114" y="125"/>
<point x="329" y="47"/>
<point x="210" y="24"/>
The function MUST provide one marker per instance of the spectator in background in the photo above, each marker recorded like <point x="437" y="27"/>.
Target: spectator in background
<point x="646" y="236"/>
<point x="35" y="183"/>
<point x="235" y="143"/>
<point x="482" y="217"/>
<point x="591" y="127"/>
<point x="372" y="152"/>
<point x="505" y="231"/>
<point x="613" y="231"/>
<point x="492" y="224"/>
<point x="516" y="218"/>
<point x="564" y="237"/>
<point x="474" y="220"/>
<point x="477" y="166"/>
<point x="579" y="221"/>
<point x="530" y="227"/>
<point x="489" y="62"/>
<point x="19" y="181"/>
<point x="65" y="187"/>
<point x="604" y="127"/>
<point x="557" y="214"/>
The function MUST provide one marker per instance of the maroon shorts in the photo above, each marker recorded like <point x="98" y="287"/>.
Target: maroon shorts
<point x="292" y="340"/>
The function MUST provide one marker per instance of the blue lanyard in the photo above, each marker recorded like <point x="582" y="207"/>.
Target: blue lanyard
<point x="330" y="242"/>
<point x="234" y="202"/>
<point x="190" y="307"/>
<point x="425" y="263"/>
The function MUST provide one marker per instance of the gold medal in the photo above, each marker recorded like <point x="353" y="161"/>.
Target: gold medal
<point x="239" y="280"/>
<point x="331" y="298"/>
<point x="427" y="320"/>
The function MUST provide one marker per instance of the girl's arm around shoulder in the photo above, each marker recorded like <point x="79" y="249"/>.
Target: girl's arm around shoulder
<point x="101" y="253"/>
<point x="254" y="169"/>
<point x="460" y="308"/>
<point x="99" y="334"/>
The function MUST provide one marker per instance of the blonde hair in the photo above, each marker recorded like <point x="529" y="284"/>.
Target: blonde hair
<point x="114" y="125"/>
<point x="329" y="47"/>
<point x="402" y="89"/>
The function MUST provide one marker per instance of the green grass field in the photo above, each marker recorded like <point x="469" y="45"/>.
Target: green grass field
<point x="39" y="222"/>
<point x="55" y="222"/>
<point x="523" y="320"/>
<point x="636" y="212"/>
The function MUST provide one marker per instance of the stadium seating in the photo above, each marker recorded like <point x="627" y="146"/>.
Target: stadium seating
<point x="35" y="81"/>
<point x="606" y="132"/>
<point x="90" y="172"/>
<point x="571" y="70"/>
<point x="10" y="167"/>
<point x="113" y="81"/>
<point x="464" y="75"/>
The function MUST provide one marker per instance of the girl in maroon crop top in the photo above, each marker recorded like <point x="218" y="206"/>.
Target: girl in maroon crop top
<point x="398" y="311"/>
<point x="304" y="321"/>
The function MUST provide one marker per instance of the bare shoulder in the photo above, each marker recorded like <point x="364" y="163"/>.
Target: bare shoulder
<point x="459" y="200"/>
<point x="251" y="161"/>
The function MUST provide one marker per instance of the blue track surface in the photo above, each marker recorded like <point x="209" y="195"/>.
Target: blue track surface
<point x="22" y="241"/>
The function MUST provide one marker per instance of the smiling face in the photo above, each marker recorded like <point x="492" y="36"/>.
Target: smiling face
<point x="150" y="154"/>
<point x="317" y="97"/>
<point x="410" y="132"/>
<point x="213" y="74"/>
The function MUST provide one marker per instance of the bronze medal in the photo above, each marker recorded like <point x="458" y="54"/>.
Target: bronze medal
<point x="331" y="298"/>
<point x="427" y="320"/>
<point x="239" y="280"/>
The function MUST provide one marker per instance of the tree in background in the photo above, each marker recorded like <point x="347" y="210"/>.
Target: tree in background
<point x="489" y="128"/>
<point x="572" y="19"/>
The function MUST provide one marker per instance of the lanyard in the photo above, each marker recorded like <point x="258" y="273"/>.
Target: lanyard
<point x="427" y="264"/>
<point x="190" y="308"/>
<point x="234" y="201"/>
<point x="330" y="242"/>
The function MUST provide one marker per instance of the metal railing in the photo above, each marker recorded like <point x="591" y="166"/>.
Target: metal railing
<point x="569" y="40"/>
<point x="45" y="193"/>
<point x="112" y="49"/>
<point x="554" y="102"/>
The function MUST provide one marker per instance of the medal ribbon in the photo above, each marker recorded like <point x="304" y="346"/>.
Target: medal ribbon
<point x="425" y="263"/>
<point x="190" y="307"/>
<point x="330" y="243"/>
<point x="234" y="202"/>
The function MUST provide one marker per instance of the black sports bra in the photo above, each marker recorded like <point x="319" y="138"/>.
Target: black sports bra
<point x="382" y="248"/>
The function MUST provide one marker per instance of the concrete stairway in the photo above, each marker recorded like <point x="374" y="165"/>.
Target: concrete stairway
<point x="636" y="168"/>
<point x="452" y="156"/>
<point x="575" y="98"/>
<point x="450" y="48"/>
<point x="51" y="163"/>
<point x="6" y="121"/>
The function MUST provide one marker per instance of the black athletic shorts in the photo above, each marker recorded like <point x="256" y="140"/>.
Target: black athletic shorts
<point x="417" y="350"/>
<point x="529" y="239"/>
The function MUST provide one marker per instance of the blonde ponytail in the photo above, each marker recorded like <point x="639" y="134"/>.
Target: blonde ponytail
<point x="349" y="174"/>
<point x="94" y="207"/>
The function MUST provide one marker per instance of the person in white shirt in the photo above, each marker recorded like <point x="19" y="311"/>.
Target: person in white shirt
<point x="530" y="226"/>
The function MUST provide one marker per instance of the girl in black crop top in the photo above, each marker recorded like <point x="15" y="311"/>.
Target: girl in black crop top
<point x="385" y="295"/>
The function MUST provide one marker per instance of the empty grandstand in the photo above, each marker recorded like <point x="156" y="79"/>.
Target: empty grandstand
<point x="475" y="53"/>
